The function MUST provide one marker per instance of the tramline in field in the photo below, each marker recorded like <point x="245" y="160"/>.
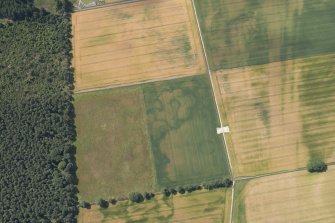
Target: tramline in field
<point x="281" y="115"/>
<point x="138" y="42"/>
<point x="148" y="137"/>
<point x="291" y="197"/>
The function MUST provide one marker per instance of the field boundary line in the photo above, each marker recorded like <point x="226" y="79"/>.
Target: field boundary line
<point x="112" y="86"/>
<point x="217" y="110"/>
<point x="212" y="86"/>
<point x="241" y="178"/>
<point x="121" y="2"/>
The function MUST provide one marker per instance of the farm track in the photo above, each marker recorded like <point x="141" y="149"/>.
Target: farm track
<point x="130" y="84"/>
<point x="235" y="179"/>
<point x="121" y="2"/>
<point x="241" y="178"/>
<point x="217" y="110"/>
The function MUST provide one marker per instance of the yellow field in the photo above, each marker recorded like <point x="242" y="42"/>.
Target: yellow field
<point x="199" y="206"/>
<point x="137" y="42"/>
<point x="298" y="197"/>
<point x="281" y="115"/>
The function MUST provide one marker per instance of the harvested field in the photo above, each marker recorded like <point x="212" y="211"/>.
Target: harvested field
<point x="200" y="206"/>
<point x="145" y="137"/>
<point x="281" y="115"/>
<point x="244" y="32"/>
<point x="113" y="151"/>
<point x="182" y="125"/>
<point x="298" y="197"/>
<point x="136" y="42"/>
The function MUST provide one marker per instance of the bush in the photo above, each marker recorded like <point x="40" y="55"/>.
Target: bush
<point x="102" y="203"/>
<point x="317" y="167"/>
<point x="113" y="201"/>
<point x="136" y="197"/>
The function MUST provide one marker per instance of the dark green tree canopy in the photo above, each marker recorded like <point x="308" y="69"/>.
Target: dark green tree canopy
<point x="16" y="9"/>
<point x="102" y="203"/>
<point x="317" y="167"/>
<point x="37" y="162"/>
<point x="136" y="197"/>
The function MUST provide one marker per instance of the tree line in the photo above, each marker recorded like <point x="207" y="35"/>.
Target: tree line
<point x="37" y="132"/>
<point x="137" y="197"/>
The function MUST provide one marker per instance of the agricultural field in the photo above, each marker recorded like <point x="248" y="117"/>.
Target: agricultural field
<point x="146" y="137"/>
<point x="113" y="150"/>
<point x="133" y="43"/>
<point x="182" y="125"/>
<point x="281" y="115"/>
<point x="200" y="206"/>
<point x="298" y="197"/>
<point x="245" y="32"/>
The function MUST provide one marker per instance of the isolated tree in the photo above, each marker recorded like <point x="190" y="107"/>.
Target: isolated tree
<point x="317" y="166"/>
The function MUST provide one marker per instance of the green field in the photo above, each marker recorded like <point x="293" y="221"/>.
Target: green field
<point x="113" y="154"/>
<point x="250" y="32"/>
<point x="200" y="206"/>
<point x="182" y="123"/>
<point x="239" y="204"/>
<point x="147" y="137"/>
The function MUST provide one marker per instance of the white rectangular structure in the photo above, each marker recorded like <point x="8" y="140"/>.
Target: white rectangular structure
<point x="221" y="130"/>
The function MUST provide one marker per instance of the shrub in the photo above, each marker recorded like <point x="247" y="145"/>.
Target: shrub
<point x="85" y="204"/>
<point x="152" y="195"/>
<point x="113" y="201"/>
